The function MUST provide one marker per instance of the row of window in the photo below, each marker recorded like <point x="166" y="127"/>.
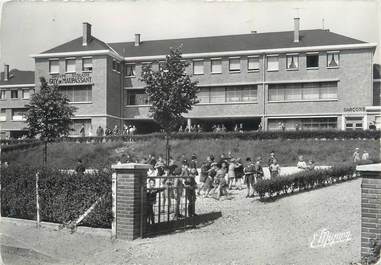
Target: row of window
<point x="70" y="65"/>
<point x="253" y="63"/>
<point x="15" y="94"/>
<point x="303" y="124"/>
<point x="303" y="91"/>
<point x="17" y="115"/>
<point x="230" y="94"/>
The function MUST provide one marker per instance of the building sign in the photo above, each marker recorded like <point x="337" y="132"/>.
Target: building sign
<point x="354" y="109"/>
<point x="72" y="78"/>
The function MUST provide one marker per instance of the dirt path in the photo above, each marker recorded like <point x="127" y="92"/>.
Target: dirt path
<point x="249" y="232"/>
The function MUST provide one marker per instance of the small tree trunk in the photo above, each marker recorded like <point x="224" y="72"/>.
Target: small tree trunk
<point x="167" y="148"/>
<point x="45" y="153"/>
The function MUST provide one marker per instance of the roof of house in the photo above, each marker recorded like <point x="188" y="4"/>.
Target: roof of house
<point x="17" y="77"/>
<point x="76" y="45"/>
<point x="252" y="41"/>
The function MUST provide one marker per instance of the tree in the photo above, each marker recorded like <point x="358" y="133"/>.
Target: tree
<point x="49" y="114"/>
<point x="171" y="92"/>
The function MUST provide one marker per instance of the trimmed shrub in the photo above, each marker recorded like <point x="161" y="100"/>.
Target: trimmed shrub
<point x="304" y="180"/>
<point x="64" y="196"/>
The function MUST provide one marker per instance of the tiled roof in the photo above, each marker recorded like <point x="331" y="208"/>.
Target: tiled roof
<point x="253" y="41"/>
<point x="76" y="45"/>
<point x="17" y="77"/>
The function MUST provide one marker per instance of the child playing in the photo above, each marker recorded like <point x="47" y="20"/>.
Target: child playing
<point x="249" y="176"/>
<point x="231" y="173"/>
<point x="274" y="169"/>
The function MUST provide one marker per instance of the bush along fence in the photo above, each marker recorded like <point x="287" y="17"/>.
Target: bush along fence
<point x="249" y="135"/>
<point x="63" y="197"/>
<point x="304" y="180"/>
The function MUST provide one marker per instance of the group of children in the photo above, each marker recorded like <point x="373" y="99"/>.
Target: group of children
<point x="216" y="177"/>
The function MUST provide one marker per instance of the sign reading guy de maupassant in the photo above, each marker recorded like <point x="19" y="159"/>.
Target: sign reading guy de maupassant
<point x="70" y="78"/>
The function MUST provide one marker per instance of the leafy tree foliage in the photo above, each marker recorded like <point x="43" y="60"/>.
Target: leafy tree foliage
<point x="49" y="113"/>
<point x="171" y="92"/>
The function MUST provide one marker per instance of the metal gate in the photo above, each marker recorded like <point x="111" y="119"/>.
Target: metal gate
<point x="169" y="205"/>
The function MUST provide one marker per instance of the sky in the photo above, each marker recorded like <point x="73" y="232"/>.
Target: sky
<point x="31" y="27"/>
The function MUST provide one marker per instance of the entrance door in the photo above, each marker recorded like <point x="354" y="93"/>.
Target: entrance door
<point x="353" y="123"/>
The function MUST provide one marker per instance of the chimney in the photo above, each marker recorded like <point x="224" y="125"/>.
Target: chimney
<point x="296" y="29"/>
<point x="86" y="37"/>
<point x="6" y="72"/>
<point x="137" y="39"/>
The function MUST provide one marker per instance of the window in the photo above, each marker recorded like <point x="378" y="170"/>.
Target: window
<point x="276" y="93"/>
<point x="116" y="66"/>
<point x="216" y="66"/>
<point x="2" y="94"/>
<point x="292" y="61"/>
<point x="333" y="59"/>
<point x="241" y="94"/>
<point x="198" y="67"/>
<point x="77" y="93"/>
<point x="130" y="70"/>
<point x="54" y="67"/>
<point x="272" y="63"/>
<point x="18" y="114"/>
<point x="303" y="91"/>
<point x="3" y="115"/>
<point x="312" y="60"/>
<point x="217" y="95"/>
<point x="25" y="94"/>
<point x="70" y="65"/>
<point x="87" y="64"/>
<point x="14" y="93"/>
<point x="235" y="64"/>
<point x="228" y="94"/>
<point x="328" y="90"/>
<point x="293" y="92"/>
<point x="136" y="97"/>
<point x="354" y="123"/>
<point x="253" y="63"/>
<point x="203" y="95"/>
<point x="311" y="91"/>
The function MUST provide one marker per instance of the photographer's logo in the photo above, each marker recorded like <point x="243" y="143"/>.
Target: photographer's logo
<point x="323" y="238"/>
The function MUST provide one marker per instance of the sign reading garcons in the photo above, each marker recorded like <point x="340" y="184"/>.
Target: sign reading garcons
<point x="71" y="78"/>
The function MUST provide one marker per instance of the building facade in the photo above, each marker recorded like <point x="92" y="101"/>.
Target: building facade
<point x="16" y="87"/>
<point x="306" y="79"/>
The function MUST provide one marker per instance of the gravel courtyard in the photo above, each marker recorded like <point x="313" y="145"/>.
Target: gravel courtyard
<point x="249" y="232"/>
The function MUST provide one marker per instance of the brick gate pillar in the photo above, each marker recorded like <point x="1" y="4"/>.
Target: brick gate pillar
<point x="129" y="195"/>
<point x="370" y="205"/>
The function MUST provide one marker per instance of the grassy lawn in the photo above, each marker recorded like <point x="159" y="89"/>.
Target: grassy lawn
<point x="64" y="155"/>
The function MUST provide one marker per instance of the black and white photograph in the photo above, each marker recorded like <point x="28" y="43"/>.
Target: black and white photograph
<point x="194" y="132"/>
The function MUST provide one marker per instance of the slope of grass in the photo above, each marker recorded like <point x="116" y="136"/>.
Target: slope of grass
<point x="328" y="152"/>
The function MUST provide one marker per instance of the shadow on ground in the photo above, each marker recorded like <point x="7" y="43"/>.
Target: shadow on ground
<point x="181" y="225"/>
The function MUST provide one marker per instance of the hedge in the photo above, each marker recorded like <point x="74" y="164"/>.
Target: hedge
<point x="304" y="180"/>
<point x="63" y="196"/>
<point x="249" y="135"/>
